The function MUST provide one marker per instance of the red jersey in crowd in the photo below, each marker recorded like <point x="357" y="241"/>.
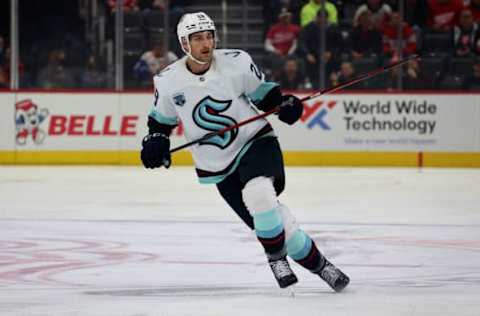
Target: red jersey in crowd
<point x="283" y="36"/>
<point x="475" y="11"/>
<point x="127" y="4"/>
<point x="391" y="40"/>
<point x="443" y="16"/>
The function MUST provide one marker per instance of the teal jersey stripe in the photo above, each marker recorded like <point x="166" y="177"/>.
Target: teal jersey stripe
<point x="162" y="119"/>
<point x="299" y="245"/>
<point x="259" y="94"/>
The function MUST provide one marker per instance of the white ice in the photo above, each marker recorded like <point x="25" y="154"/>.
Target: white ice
<point x="126" y="241"/>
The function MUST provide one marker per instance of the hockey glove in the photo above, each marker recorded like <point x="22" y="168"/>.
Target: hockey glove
<point x="156" y="151"/>
<point x="291" y="109"/>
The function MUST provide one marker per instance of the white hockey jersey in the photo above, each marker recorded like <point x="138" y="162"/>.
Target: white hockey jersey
<point x="206" y="103"/>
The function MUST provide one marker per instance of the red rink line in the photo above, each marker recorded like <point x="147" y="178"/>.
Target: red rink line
<point x="45" y="265"/>
<point x="420" y="159"/>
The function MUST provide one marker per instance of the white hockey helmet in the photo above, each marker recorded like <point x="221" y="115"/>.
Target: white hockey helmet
<point x="192" y="23"/>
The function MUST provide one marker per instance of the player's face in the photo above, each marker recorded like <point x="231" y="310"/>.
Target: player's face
<point x="202" y="45"/>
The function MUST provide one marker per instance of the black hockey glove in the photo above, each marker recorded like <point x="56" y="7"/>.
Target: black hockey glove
<point x="156" y="151"/>
<point x="291" y="109"/>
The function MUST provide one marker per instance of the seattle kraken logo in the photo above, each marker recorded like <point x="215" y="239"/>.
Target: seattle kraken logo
<point x="206" y="115"/>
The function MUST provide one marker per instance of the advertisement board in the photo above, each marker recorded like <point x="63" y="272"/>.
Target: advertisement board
<point x="395" y="122"/>
<point x="108" y="127"/>
<point x="72" y="122"/>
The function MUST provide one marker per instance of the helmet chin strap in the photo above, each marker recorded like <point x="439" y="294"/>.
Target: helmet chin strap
<point x="191" y="56"/>
<point x="188" y="52"/>
<point x="196" y="60"/>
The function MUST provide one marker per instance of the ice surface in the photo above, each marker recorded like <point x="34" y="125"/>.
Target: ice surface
<point x="126" y="241"/>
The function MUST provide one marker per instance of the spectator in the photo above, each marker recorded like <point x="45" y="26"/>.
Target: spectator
<point x="152" y="62"/>
<point x="311" y="46"/>
<point x="416" y="78"/>
<point x="309" y="12"/>
<point x="55" y="74"/>
<point x="380" y="12"/>
<point x="5" y="68"/>
<point x="465" y="35"/>
<point x="92" y="77"/>
<point x="291" y="78"/>
<point x="395" y="43"/>
<point x="475" y="8"/>
<point x="282" y="37"/>
<point x="472" y="82"/>
<point x="281" y="41"/>
<point x="443" y="14"/>
<point x="346" y="73"/>
<point x="128" y="5"/>
<point x="365" y="38"/>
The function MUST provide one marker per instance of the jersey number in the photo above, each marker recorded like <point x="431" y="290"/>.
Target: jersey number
<point x="256" y="71"/>
<point x="156" y="98"/>
<point x="234" y="53"/>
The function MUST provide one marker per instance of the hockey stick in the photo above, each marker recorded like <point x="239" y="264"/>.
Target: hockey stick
<point x="337" y="87"/>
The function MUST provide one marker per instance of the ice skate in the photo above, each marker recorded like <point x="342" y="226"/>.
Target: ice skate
<point x="335" y="278"/>
<point x="282" y="272"/>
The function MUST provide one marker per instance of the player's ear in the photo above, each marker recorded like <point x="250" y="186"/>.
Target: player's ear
<point x="185" y="45"/>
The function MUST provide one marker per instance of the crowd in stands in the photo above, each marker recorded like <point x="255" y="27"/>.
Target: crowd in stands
<point x="56" y="54"/>
<point x="152" y="62"/>
<point x="348" y="38"/>
<point x="139" y="5"/>
<point x="445" y="32"/>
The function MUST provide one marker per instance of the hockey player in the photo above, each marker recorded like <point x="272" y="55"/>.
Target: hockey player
<point x="210" y="89"/>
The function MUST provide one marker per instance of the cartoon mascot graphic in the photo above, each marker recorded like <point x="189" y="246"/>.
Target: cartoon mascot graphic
<point x="27" y="121"/>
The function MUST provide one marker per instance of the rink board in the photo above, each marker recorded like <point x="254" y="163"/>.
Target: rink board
<point x="335" y="130"/>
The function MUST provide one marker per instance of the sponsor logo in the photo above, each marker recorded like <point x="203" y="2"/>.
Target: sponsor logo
<point x="316" y="114"/>
<point x="28" y="122"/>
<point x="412" y="116"/>
<point x="36" y="123"/>
<point x="92" y="125"/>
<point x="417" y="116"/>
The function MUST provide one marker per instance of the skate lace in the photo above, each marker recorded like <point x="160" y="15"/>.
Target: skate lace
<point x="281" y="268"/>
<point x="329" y="274"/>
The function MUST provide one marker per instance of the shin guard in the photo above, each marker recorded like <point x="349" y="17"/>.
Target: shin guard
<point x="261" y="201"/>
